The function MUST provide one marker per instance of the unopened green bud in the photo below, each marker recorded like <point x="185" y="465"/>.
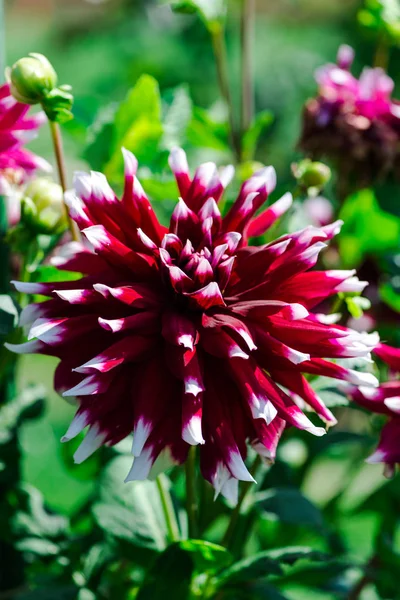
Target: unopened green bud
<point x="43" y="208"/>
<point x="32" y="78"/>
<point x="311" y="175"/>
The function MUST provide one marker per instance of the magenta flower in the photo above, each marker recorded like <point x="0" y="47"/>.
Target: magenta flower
<point x="16" y="129"/>
<point x="354" y="122"/>
<point x="185" y="335"/>
<point x="385" y="400"/>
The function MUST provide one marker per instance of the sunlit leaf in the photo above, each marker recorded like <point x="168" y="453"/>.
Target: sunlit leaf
<point x="176" y="118"/>
<point x="129" y="511"/>
<point x="367" y="229"/>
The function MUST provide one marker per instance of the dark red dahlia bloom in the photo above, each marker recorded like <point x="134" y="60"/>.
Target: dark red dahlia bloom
<point x="385" y="400"/>
<point x="186" y="335"/>
<point x="354" y="122"/>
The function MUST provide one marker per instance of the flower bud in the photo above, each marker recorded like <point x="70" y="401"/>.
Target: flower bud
<point x="43" y="208"/>
<point x="311" y="175"/>
<point x="32" y="78"/>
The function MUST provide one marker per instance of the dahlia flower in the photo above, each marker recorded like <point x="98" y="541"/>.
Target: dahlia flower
<point x="16" y="129"/>
<point x="385" y="400"/>
<point x="355" y="122"/>
<point x="186" y="335"/>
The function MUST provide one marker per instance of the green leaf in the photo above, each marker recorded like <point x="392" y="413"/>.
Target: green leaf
<point x="50" y="592"/>
<point x="177" y="118"/>
<point x="255" y="567"/>
<point x="45" y="273"/>
<point x="250" y="139"/>
<point x="205" y="132"/>
<point x="390" y="296"/>
<point x="28" y="405"/>
<point x="367" y="229"/>
<point x="212" y="12"/>
<point x="170" y="576"/>
<point x="8" y="314"/>
<point x="38" y="546"/>
<point x="100" y="138"/>
<point x="290" y="555"/>
<point x="137" y="126"/>
<point x="143" y="100"/>
<point x="130" y="511"/>
<point x="33" y="520"/>
<point x="207" y="557"/>
<point x="290" y="506"/>
<point x="329" y="392"/>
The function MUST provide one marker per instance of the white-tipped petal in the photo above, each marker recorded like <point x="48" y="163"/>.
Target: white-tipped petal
<point x="304" y="422"/>
<point x="78" y="424"/>
<point x="25" y="348"/>
<point x="393" y="403"/>
<point x="130" y="162"/>
<point x="377" y="457"/>
<point x="192" y="432"/>
<point x="141" y="466"/>
<point x="140" y="436"/>
<point x="87" y="387"/>
<point x="226" y="175"/>
<point x="238" y="468"/>
<point x="230" y="491"/>
<point x="92" y="442"/>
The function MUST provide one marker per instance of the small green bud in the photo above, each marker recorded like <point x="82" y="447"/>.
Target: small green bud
<point x="311" y="175"/>
<point x="32" y="78"/>
<point x="42" y="207"/>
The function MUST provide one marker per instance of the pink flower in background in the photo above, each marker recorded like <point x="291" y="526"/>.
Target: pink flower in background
<point x="353" y="121"/>
<point x="186" y="335"/>
<point x="385" y="400"/>
<point x="16" y="129"/>
<point x="369" y="96"/>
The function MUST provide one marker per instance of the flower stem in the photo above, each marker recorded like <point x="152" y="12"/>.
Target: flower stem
<point x="220" y="54"/>
<point x="382" y="56"/>
<point x="366" y="579"/>
<point x="247" y="76"/>
<point x="168" y="509"/>
<point x="191" y="499"/>
<point x="230" y="532"/>
<point x="62" y="173"/>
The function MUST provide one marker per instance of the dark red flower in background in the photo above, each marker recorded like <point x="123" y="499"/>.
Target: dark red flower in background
<point x="354" y="122"/>
<point x="385" y="400"/>
<point x="185" y="335"/>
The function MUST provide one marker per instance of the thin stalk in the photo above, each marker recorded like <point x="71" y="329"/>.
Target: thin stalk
<point x="191" y="496"/>
<point x="168" y="509"/>
<point x="230" y="532"/>
<point x="221" y="61"/>
<point x="382" y="56"/>
<point x="366" y="579"/>
<point x="62" y="173"/>
<point x="247" y="75"/>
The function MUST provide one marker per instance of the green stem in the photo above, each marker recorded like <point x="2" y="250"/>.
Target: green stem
<point x="366" y="579"/>
<point x="220" y="54"/>
<point x="168" y="509"/>
<point x="62" y="172"/>
<point x="191" y="499"/>
<point x="230" y="532"/>
<point x="382" y="56"/>
<point x="337" y="305"/>
<point x="247" y="75"/>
